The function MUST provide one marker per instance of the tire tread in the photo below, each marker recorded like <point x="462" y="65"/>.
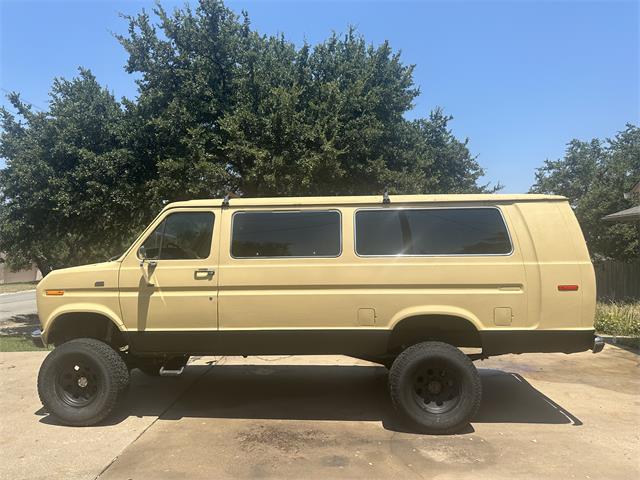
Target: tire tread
<point x="115" y="366"/>
<point x="410" y="355"/>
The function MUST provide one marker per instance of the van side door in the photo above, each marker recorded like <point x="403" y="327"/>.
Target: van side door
<point x="278" y="267"/>
<point x="169" y="288"/>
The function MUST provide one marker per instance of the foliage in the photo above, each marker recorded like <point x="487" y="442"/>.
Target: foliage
<point x="219" y="108"/>
<point x="67" y="190"/>
<point x="618" y="319"/>
<point x="595" y="176"/>
<point x="228" y="109"/>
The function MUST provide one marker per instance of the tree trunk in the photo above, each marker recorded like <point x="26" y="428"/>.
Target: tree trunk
<point x="43" y="267"/>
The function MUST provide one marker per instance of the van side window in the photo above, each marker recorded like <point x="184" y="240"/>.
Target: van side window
<point x="181" y="236"/>
<point x="436" y="231"/>
<point x="286" y="234"/>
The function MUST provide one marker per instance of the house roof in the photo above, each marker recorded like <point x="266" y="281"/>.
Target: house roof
<point x="629" y="215"/>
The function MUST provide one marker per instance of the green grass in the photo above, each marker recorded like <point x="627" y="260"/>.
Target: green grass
<point x="18" y="344"/>
<point x="17" y="287"/>
<point x="620" y="319"/>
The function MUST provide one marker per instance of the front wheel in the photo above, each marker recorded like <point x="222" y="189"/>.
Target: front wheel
<point x="79" y="382"/>
<point x="436" y="387"/>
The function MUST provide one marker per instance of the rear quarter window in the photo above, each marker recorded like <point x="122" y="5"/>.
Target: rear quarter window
<point x="435" y="231"/>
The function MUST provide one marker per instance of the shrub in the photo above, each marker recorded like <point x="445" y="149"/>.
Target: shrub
<point x="621" y="319"/>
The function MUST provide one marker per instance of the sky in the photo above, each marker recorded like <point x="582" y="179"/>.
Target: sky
<point x="520" y="78"/>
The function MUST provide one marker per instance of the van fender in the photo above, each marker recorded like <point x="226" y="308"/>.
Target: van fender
<point x="435" y="310"/>
<point x="83" y="308"/>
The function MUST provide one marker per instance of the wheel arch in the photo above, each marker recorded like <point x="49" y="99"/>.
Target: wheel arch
<point x="451" y="325"/>
<point x="85" y="322"/>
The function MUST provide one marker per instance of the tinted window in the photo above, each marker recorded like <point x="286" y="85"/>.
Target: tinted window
<point x="181" y="236"/>
<point x="286" y="234"/>
<point x="461" y="231"/>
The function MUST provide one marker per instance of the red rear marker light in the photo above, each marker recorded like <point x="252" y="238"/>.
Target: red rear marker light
<point x="567" y="288"/>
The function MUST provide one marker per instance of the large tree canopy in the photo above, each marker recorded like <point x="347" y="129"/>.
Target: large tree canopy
<point x="595" y="176"/>
<point x="219" y="108"/>
<point x="224" y="108"/>
<point x="68" y="189"/>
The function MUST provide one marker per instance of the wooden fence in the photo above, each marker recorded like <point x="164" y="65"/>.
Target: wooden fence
<point x="618" y="280"/>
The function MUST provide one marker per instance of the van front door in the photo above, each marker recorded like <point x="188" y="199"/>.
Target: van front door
<point x="169" y="286"/>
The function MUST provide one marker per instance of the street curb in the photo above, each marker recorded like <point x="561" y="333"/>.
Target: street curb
<point x="629" y="342"/>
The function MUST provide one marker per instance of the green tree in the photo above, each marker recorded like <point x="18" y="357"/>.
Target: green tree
<point x="594" y="176"/>
<point x="66" y="192"/>
<point x="219" y="108"/>
<point x="230" y="109"/>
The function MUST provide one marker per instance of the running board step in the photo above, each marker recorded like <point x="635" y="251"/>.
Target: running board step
<point x="170" y="373"/>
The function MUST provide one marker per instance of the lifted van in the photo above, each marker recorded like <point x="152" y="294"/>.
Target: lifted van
<point x="404" y="281"/>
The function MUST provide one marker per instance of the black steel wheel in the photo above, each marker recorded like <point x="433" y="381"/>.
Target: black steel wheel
<point x="77" y="382"/>
<point x="80" y="381"/>
<point x="436" y="387"/>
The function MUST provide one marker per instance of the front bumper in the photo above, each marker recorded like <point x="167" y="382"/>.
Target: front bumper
<point x="36" y="338"/>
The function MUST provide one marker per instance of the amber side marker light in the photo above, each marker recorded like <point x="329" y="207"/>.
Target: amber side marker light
<point x="567" y="288"/>
<point x="55" y="293"/>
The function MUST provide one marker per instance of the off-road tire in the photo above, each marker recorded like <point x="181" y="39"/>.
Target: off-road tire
<point x="109" y="378"/>
<point x="407" y="384"/>
<point x="125" y="378"/>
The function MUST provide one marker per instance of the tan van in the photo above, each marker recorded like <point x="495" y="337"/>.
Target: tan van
<point x="404" y="281"/>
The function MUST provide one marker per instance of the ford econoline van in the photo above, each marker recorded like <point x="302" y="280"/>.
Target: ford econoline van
<point x="423" y="284"/>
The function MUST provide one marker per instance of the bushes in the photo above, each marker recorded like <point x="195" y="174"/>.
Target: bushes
<point x="622" y="319"/>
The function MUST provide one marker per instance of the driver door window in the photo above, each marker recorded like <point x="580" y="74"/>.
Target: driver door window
<point x="181" y="236"/>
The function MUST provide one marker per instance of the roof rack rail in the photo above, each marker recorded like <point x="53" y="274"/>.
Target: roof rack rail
<point x="229" y="196"/>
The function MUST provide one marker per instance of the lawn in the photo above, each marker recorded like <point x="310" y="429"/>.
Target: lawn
<point x="18" y="344"/>
<point x="617" y="318"/>
<point x="17" y="287"/>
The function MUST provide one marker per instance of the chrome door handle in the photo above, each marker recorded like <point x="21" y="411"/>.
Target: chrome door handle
<point x="205" y="273"/>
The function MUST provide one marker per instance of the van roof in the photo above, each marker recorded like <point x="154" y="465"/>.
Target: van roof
<point x="368" y="200"/>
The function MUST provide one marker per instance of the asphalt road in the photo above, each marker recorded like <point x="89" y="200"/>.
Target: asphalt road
<point x="542" y="416"/>
<point x="18" y="313"/>
<point x="13" y="304"/>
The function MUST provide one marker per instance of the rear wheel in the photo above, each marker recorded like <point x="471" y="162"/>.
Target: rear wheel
<point x="80" y="381"/>
<point x="435" y="386"/>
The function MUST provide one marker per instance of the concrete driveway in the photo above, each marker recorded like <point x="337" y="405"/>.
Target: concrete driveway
<point x="542" y="416"/>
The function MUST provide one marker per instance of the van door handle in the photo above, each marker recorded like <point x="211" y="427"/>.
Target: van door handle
<point x="202" y="273"/>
